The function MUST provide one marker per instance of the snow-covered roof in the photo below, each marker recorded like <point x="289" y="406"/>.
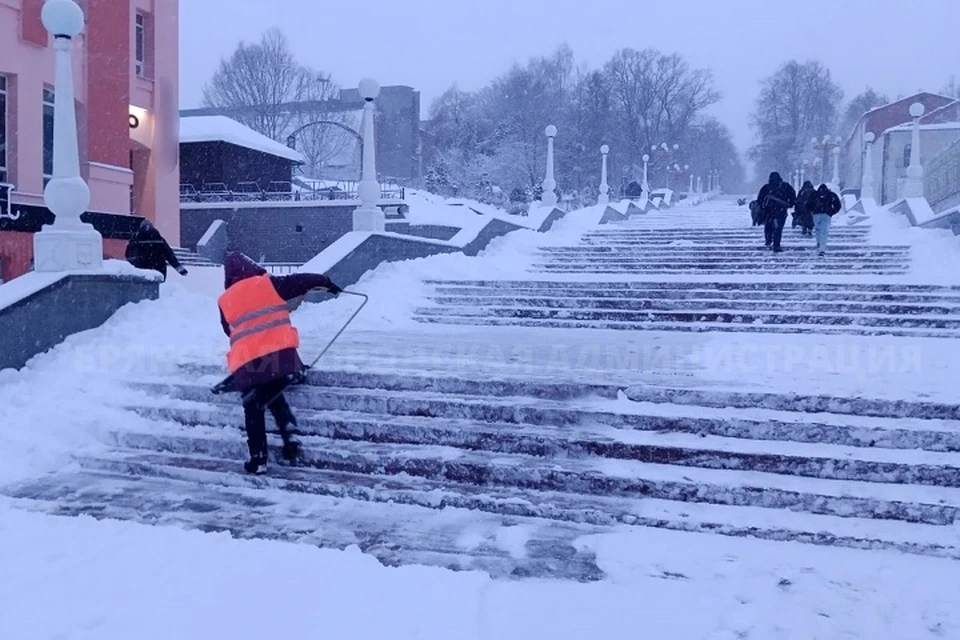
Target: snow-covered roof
<point x="224" y="129"/>
<point x="927" y="127"/>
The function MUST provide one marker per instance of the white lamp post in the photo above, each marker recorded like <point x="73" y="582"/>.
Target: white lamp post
<point x="645" y="185"/>
<point x="368" y="216"/>
<point x="913" y="186"/>
<point x="866" y="182"/>
<point x="549" y="196"/>
<point x="68" y="243"/>
<point x="604" y="187"/>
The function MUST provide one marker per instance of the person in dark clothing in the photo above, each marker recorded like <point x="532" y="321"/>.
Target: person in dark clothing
<point x="802" y="216"/>
<point x="824" y="204"/>
<point x="147" y="249"/>
<point x="775" y="198"/>
<point x="263" y="358"/>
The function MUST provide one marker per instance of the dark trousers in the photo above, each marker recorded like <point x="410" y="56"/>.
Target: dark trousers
<point x="255" y="404"/>
<point x="773" y="230"/>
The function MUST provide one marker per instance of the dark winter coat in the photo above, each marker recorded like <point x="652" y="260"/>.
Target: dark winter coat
<point x="825" y="201"/>
<point x="282" y="363"/>
<point x="148" y="250"/>
<point x="775" y="198"/>
<point x="803" y="212"/>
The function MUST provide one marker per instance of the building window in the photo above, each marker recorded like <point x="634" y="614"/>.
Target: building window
<point x="47" y="135"/>
<point x="906" y="155"/>
<point x="140" y="36"/>
<point x="3" y="129"/>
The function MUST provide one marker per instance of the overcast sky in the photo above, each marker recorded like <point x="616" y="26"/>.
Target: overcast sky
<point x="430" y="44"/>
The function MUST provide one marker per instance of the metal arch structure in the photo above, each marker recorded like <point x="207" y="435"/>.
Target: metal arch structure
<point x="291" y="139"/>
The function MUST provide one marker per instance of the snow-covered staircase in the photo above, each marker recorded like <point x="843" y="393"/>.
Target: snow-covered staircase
<point x="190" y="258"/>
<point x="506" y="474"/>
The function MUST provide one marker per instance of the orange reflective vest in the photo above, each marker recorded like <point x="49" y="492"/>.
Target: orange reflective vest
<point x="259" y="321"/>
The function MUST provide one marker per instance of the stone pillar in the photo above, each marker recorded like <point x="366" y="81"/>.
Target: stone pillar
<point x="604" y="187"/>
<point x="913" y="186"/>
<point x="690" y="190"/>
<point x="549" y="196"/>
<point x="68" y="244"/>
<point x="699" y="184"/>
<point x="368" y="216"/>
<point x="866" y="181"/>
<point x="646" y="183"/>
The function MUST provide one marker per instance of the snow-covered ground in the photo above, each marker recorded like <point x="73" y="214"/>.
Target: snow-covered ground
<point x="78" y="579"/>
<point x="111" y="580"/>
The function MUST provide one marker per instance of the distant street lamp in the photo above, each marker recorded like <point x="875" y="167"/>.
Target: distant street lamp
<point x="913" y="185"/>
<point x="604" y="187"/>
<point x="549" y="196"/>
<point x="866" y="182"/>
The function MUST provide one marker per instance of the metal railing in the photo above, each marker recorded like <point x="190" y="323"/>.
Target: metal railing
<point x="941" y="179"/>
<point x="280" y="191"/>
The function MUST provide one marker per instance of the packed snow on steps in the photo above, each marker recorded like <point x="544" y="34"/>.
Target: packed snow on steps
<point x="116" y="580"/>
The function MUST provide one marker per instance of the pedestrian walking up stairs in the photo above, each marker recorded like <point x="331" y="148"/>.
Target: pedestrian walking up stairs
<point x="507" y="474"/>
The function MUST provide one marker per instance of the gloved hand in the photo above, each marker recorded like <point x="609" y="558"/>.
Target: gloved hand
<point x="182" y="270"/>
<point x="334" y="289"/>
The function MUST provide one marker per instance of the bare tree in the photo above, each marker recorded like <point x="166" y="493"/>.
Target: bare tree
<point x="796" y="103"/>
<point x="263" y="86"/>
<point x="862" y="103"/>
<point x="656" y="98"/>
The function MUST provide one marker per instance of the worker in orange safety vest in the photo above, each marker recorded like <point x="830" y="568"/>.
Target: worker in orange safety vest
<point x="255" y="314"/>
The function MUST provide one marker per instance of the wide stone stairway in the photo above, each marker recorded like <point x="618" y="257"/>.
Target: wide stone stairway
<point x="473" y="469"/>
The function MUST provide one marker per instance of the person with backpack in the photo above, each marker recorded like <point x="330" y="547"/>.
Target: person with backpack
<point x="802" y="214"/>
<point x="824" y="204"/>
<point x="775" y="199"/>
<point x="263" y="358"/>
<point x="147" y="249"/>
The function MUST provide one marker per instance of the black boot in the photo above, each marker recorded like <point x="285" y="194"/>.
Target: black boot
<point x="256" y="464"/>
<point x="291" y="450"/>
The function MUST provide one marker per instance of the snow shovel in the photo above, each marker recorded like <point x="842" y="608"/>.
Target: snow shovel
<point x="226" y="385"/>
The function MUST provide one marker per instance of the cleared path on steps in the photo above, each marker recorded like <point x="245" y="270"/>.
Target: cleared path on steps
<point x="448" y="443"/>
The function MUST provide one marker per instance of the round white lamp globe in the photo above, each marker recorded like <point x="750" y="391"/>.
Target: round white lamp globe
<point x="369" y="89"/>
<point x="869" y="137"/>
<point x="62" y="17"/>
<point x="605" y="149"/>
<point x="551" y="131"/>
<point x="646" y="158"/>
<point x="917" y="109"/>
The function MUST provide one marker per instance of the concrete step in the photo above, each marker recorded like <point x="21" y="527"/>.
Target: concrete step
<point x="841" y="287"/>
<point x="474" y="321"/>
<point x="732" y="315"/>
<point x="703" y="270"/>
<point x="660" y="304"/>
<point x="862" y="421"/>
<point x="706" y="296"/>
<point x="617" y="478"/>
<point x="835" y="462"/>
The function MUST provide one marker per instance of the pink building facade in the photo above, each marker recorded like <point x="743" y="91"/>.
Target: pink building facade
<point x="126" y="70"/>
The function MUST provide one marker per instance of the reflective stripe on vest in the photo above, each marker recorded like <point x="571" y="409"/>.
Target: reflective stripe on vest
<point x="258" y="319"/>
